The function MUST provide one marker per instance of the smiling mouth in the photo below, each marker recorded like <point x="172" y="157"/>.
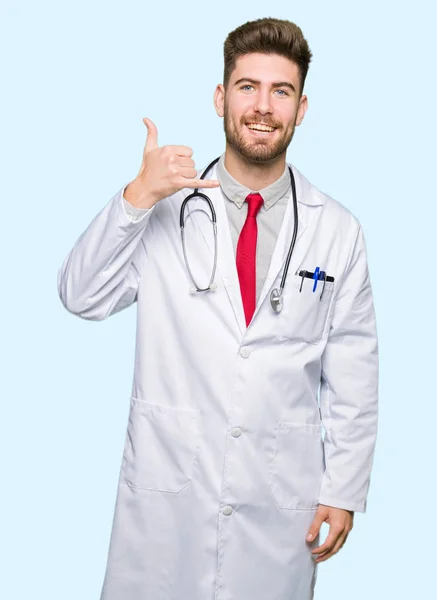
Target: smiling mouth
<point x="260" y="128"/>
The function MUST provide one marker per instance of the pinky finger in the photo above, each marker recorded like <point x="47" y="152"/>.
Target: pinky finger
<point x="202" y="183"/>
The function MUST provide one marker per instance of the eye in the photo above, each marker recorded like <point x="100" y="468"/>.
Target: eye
<point x="282" y="92"/>
<point x="247" y="85"/>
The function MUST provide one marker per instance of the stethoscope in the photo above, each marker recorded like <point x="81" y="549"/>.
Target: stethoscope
<point x="276" y="299"/>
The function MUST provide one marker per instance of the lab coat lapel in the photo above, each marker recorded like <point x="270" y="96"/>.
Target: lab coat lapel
<point x="226" y="267"/>
<point x="309" y="205"/>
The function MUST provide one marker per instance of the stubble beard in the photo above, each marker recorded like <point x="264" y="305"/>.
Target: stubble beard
<point x="261" y="151"/>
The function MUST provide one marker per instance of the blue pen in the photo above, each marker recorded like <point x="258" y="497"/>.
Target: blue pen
<point x="316" y="278"/>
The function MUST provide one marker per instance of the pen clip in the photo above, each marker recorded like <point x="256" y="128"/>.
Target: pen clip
<point x="303" y="277"/>
<point x="316" y="278"/>
<point x="324" y="282"/>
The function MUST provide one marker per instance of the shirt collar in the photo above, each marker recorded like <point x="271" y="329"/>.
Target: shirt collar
<point x="236" y="192"/>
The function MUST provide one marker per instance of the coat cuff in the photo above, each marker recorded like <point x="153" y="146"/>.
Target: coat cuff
<point x="344" y="504"/>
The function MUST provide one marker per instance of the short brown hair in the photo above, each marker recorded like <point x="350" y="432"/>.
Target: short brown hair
<point x="268" y="36"/>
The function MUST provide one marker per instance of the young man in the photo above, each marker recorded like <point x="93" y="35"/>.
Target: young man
<point x="225" y="479"/>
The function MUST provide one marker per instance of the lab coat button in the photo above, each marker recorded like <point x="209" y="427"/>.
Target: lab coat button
<point x="236" y="432"/>
<point x="245" y="352"/>
<point x="227" y="510"/>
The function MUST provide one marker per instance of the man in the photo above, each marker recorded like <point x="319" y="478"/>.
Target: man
<point x="226" y="477"/>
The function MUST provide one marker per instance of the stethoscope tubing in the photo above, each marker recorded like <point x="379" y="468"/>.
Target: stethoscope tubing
<point x="277" y="294"/>
<point x="293" y="239"/>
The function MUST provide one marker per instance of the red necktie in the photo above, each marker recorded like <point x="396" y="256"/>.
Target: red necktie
<point x="246" y="256"/>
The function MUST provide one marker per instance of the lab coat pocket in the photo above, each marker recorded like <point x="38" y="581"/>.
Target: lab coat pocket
<point x="161" y="445"/>
<point x="305" y="312"/>
<point x="298" y="465"/>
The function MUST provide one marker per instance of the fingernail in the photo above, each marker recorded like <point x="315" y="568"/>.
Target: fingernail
<point x="310" y="537"/>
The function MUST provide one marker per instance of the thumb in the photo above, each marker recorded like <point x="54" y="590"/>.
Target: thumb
<point x="152" y="135"/>
<point x="314" y="529"/>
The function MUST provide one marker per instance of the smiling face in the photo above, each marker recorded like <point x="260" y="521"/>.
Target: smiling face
<point x="261" y="106"/>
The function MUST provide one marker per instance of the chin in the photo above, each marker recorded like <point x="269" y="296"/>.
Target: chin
<point x="259" y="157"/>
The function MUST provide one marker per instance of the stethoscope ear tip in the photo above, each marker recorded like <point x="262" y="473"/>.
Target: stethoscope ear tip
<point x="213" y="287"/>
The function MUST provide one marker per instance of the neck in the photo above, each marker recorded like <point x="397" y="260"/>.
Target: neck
<point x="253" y="174"/>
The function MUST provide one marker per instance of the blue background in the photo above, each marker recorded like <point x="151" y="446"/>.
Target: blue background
<point x="78" y="77"/>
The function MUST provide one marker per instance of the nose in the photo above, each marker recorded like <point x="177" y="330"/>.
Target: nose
<point x="263" y="101"/>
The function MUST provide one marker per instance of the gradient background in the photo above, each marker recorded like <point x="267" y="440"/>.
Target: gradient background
<point x="78" y="77"/>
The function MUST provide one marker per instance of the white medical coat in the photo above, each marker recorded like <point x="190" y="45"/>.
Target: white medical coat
<point x="224" y="461"/>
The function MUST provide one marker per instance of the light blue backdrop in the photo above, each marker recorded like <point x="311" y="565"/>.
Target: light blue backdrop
<point x="78" y="77"/>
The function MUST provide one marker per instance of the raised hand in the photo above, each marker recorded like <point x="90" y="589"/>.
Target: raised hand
<point x="163" y="172"/>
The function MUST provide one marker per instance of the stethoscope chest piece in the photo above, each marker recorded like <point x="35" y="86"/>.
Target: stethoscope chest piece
<point x="276" y="300"/>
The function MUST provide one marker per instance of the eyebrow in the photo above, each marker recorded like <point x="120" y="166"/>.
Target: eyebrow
<point x="275" y="85"/>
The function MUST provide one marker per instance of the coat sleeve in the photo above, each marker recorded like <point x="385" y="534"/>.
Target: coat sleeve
<point x="349" y="388"/>
<point x="100" y="275"/>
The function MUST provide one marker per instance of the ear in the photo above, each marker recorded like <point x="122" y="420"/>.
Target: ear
<point x="219" y="100"/>
<point x="303" y="106"/>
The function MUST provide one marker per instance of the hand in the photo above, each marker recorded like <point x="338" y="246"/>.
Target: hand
<point x="340" y="524"/>
<point x="163" y="172"/>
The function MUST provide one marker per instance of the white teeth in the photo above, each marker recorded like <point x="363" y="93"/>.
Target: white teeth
<point x="261" y="128"/>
